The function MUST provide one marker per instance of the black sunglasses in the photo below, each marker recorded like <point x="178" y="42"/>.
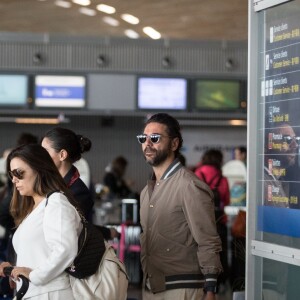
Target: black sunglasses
<point x="154" y="138"/>
<point x="288" y="139"/>
<point x="18" y="173"/>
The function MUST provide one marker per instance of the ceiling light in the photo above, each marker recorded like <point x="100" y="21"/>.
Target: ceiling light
<point x="64" y="4"/>
<point x="106" y="8"/>
<point x="238" y="122"/>
<point x="82" y="2"/>
<point x="87" y="11"/>
<point x="130" y="19"/>
<point x="151" y="32"/>
<point x="131" y="34"/>
<point x="111" y="21"/>
<point x="37" y="121"/>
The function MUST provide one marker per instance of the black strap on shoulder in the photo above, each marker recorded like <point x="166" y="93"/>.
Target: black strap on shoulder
<point x="82" y="217"/>
<point x="209" y="183"/>
<point x="219" y="180"/>
<point x="203" y="178"/>
<point x="48" y="195"/>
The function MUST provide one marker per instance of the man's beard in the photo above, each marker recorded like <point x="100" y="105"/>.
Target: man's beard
<point x="160" y="157"/>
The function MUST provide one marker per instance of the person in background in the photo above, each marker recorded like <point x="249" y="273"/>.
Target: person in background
<point x="65" y="147"/>
<point x="240" y="153"/>
<point x="179" y="240"/>
<point x="114" y="179"/>
<point x="210" y="171"/>
<point x="46" y="238"/>
<point x="6" y="219"/>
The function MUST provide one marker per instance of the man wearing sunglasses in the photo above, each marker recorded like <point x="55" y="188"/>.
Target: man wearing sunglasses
<point x="180" y="245"/>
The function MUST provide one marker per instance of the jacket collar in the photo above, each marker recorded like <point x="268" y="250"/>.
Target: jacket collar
<point x="173" y="168"/>
<point x="70" y="174"/>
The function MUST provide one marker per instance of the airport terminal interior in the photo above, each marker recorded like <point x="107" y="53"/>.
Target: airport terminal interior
<point x="115" y="54"/>
<point x="102" y="68"/>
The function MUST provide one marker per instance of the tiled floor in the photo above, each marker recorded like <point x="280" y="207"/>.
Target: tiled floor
<point x="135" y="293"/>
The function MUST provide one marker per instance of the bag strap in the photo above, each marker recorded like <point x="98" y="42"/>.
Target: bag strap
<point x="83" y="219"/>
<point x="48" y="195"/>
<point x="219" y="180"/>
<point x="211" y="181"/>
<point x="203" y="178"/>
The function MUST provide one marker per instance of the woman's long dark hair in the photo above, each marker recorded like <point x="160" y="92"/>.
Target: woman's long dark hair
<point x="47" y="180"/>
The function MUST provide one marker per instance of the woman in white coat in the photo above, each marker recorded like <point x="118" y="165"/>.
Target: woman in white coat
<point x="47" y="229"/>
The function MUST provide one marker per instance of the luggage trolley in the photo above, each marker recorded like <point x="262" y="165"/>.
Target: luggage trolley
<point x="130" y="239"/>
<point x="128" y="247"/>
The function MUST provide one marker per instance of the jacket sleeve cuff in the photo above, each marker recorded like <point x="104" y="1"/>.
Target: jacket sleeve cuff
<point x="211" y="283"/>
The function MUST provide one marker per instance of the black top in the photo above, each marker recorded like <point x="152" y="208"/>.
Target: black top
<point x="81" y="193"/>
<point x="83" y="197"/>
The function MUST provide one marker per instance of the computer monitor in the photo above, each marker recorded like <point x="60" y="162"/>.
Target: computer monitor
<point x="13" y="90"/>
<point x="219" y="95"/>
<point x="56" y="91"/>
<point x="158" y="93"/>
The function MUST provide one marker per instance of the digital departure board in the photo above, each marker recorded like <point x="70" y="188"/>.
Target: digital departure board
<point x="280" y="104"/>
<point x="155" y="93"/>
<point x="55" y="91"/>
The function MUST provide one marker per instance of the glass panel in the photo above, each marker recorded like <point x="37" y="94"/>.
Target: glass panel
<point x="280" y="281"/>
<point x="278" y="195"/>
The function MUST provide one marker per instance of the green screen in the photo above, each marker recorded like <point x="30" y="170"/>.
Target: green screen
<point x="217" y="94"/>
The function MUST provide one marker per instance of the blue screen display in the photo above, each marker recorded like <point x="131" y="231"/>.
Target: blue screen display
<point x="59" y="91"/>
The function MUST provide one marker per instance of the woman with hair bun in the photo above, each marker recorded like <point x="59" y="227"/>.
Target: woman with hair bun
<point x="65" y="147"/>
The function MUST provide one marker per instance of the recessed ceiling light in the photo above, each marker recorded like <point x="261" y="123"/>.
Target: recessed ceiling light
<point x="130" y="19"/>
<point x="82" y="2"/>
<point x="131" y="34"/>
<point x="151" y="32"/>
<point x="238" y="122"/>
<point x="106" y="8"/>
<point x="64" y="4"/>
<point x="111" y="21"/>
<point x="87" y="11"/>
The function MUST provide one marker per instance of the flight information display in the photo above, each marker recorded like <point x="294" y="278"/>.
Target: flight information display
<point x="13" y="90"/>
<point x="54" y="91"/>
<point x="162" y="93"/>
<point x="280" y="102"/>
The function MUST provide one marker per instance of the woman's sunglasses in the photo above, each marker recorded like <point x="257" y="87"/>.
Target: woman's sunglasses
<point x="18" y="173"/>
<point x="154" y="138"/>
